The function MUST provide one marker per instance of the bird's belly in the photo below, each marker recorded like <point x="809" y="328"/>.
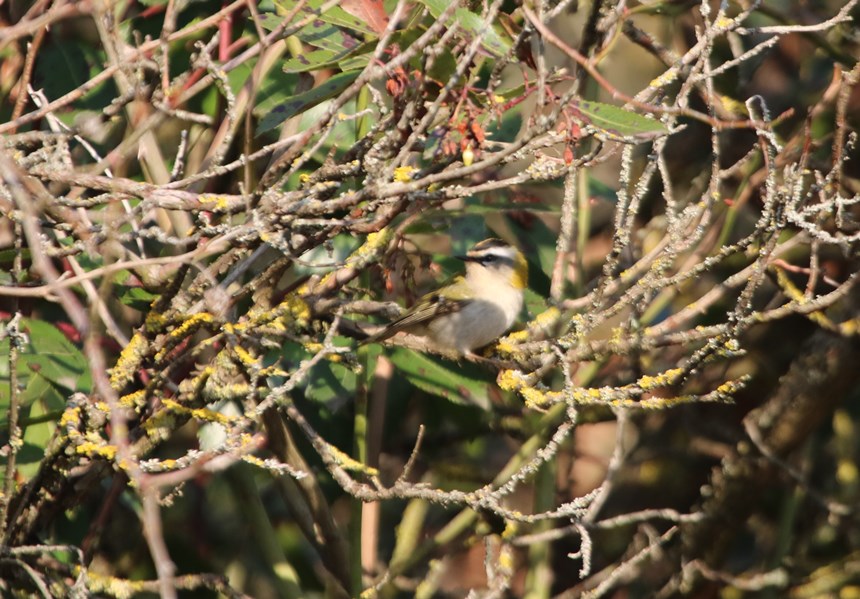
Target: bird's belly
<point x="476" y="325"/>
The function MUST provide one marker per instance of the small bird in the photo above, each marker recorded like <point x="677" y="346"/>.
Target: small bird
<point x="474" y="309"/>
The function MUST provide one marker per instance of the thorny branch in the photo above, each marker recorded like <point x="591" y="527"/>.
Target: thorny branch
<point x="226" y="268"/>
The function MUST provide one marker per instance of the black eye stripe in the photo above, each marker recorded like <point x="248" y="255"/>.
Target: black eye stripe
<point x="496" y="259"/>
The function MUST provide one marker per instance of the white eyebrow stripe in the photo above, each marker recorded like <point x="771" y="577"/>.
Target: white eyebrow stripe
<point x="503" y="255"/>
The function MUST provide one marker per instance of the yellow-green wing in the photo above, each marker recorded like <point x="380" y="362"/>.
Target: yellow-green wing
<point x="450" y="298"/>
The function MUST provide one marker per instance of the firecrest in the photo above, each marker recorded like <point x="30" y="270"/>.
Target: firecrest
<point x="472" y="310"/>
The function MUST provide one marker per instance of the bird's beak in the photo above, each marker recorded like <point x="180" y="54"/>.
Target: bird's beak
<point x="466" y="258"/>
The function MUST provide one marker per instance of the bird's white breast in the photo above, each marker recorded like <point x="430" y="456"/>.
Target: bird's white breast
<point x="486" y="318"/>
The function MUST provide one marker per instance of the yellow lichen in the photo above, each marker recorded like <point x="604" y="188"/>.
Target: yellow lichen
<point x="273" y="370"/>
<point x="733" y="106"/>
<point x="220" y="202"/>
<point x="403" y="174"/>
<point x="198" y="381"/>
<point x="789" y="288"/>
<point x="846" y="472"/>
<point x="91" y="448"/>
<point x="518" y="336"/>
<point x="191" y="323"/>
<point x="584" y="395"/>
<point x="617" y="337"/>
<point x="730" y="387"/>
<point x="115" y="587"/>
<point x="348" y="463"/>
<point x="204" y="414"/>
<point x="535" y="398"/>
<point x="254" y="460"/>
<point x="221" y="392"/>
<point x="210" y="415"/>
<point x="849" y="328"/>
<point x="154" y="322"/>
<point x="509" y="380"/>
<point x="670" y="377"/>
<point x="245" y="356"/>
<point x="655" y="403"/>
<point x="292" y="309"/>
<point x="547" y="318"/>
<point x="188" y="327"/>
<point x="71" y="416"/>
<point x="376" y="241"/>
<point x="159" y="424"/>
<point x="503" y="347"/>
<point x="723" y="22"/>
<point x="508" y="343"/>
<point x="514" y="380"/>
<point x="129" y="361"/>
<point x="649" y="472"/>
<point x="134" y="399"/>
<point x="664" y="79"/>
<point x="850" y="592"/>
<point x="511" y="530"/>
<point x="506" y="560"/>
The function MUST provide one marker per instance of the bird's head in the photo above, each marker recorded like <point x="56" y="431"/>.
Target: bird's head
<point x="496" y="262"/>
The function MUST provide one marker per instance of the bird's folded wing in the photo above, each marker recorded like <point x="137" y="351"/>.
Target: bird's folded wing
<point x="453" y="299"/>
<point x="426" y="310"/>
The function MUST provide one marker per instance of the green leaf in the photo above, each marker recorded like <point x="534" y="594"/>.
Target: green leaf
<point x="274" y="89"/>
<point x="301" y="102"/>
<point x="47" y="401"/>
<point x="61" y="68"/>
<point x="334" y="15"/>
<point x="324" y="31"/>
<point x="326" y="59"/>
<point x="442" y="378"/>
<point x="40" y="390"/>
<point x="346" y="57"/>
<point x="472" y="25"/>
<point x="355" y="61"/>
<point x="49" y="367"/>
<point x="330" y="382"/>
<point x="443" y="67"/>
<point x="136" y="297"/>
<point x="48" y="354"/>
<point x="508" y="129"/>
<point x="467" y="230"/>
<point x="514" y="92"/>
<point x="618" y="123"/>
<point x="328" y="37"/>
<point x="6" y="256"/>
<point x="313" y="61"/>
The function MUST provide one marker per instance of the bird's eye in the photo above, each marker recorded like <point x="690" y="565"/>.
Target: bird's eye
<point x="495" y="260"/>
